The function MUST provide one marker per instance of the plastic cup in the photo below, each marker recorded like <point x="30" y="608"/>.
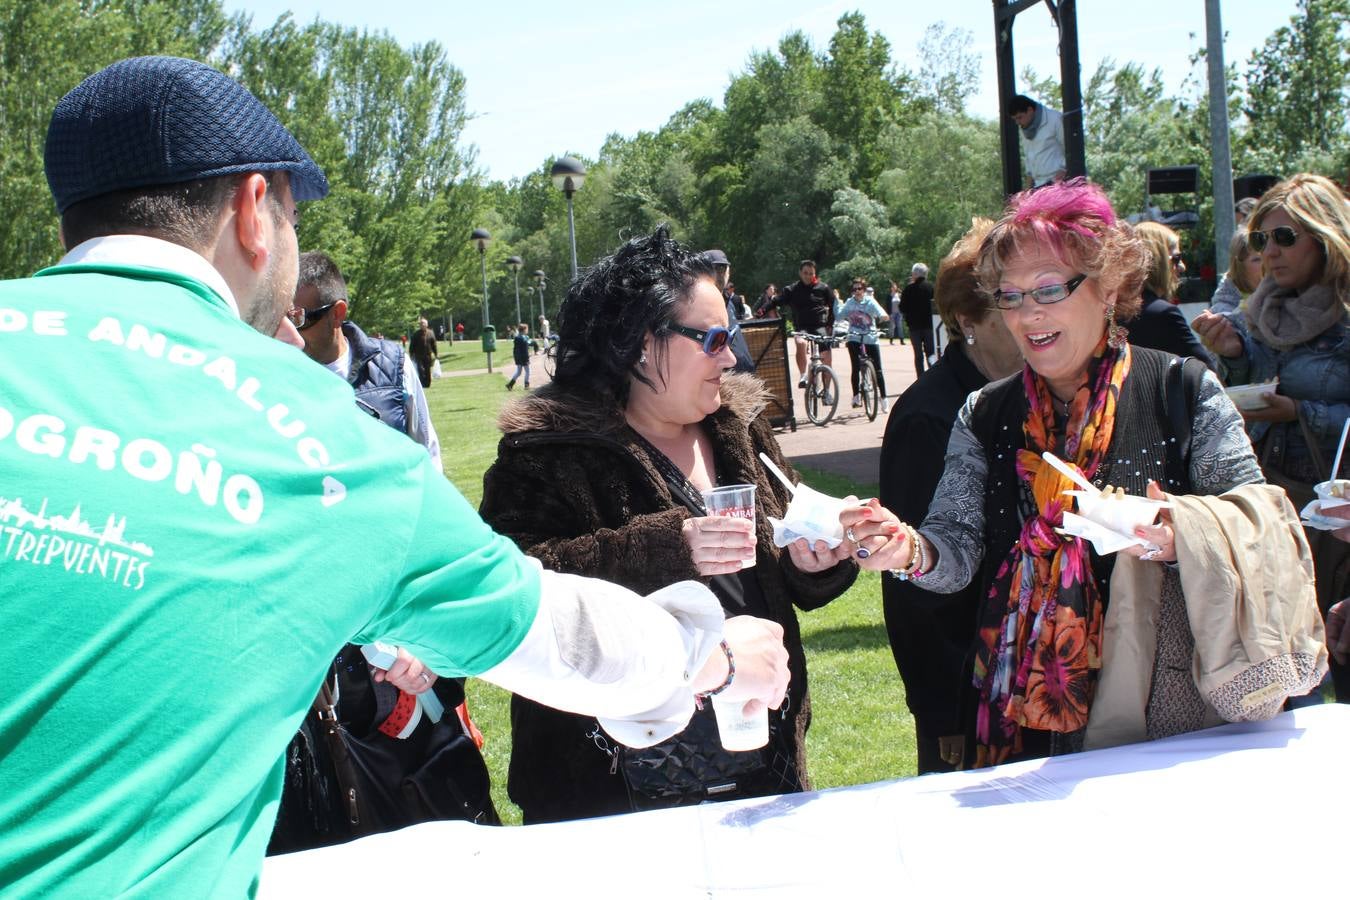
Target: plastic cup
<point x="735" y="500"/>
<point x="736" y="730"/>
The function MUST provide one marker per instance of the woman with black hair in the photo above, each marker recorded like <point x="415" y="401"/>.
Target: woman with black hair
<point x="600" y="473"/>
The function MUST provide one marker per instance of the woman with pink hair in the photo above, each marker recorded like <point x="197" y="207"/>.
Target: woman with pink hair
<point x="1052" y="672"/>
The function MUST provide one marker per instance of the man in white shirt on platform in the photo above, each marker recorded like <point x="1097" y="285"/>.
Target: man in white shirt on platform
<point x="1042" y="140"/>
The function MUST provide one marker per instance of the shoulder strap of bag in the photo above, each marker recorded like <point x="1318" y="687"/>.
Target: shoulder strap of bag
<point x="1181" y="388"/>
<point x="325" y="708"/>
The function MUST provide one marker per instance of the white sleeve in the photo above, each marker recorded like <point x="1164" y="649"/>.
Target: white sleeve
<point x="415" y="410"/>
<point x="600" y="649"/>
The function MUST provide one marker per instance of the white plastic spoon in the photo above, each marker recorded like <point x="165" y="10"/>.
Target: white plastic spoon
<point x="1072" y="474"/>
<point x="778" y="473"/>
<point x="1340" y="451"/>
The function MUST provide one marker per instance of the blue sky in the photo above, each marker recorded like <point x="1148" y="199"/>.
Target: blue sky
<point x="549" y="78"/>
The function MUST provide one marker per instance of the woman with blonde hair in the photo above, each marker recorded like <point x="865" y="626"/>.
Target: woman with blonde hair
<point x="1160" y="325"/>
<point x="1295" y="327"/>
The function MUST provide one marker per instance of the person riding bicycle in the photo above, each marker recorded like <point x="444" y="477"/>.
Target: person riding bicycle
<point x="863" y="314"/>
<point x="812" y="304"/>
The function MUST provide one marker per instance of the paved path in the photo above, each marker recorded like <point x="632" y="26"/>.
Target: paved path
<point x="849" y="445"/>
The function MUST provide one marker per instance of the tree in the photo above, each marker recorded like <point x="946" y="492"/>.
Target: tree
<point x="1296" y="86"/>
<point x="948" y="71"/>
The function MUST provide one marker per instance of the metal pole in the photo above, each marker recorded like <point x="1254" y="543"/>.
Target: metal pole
<point x="1007" y="86"/>
<point x="517" y="274"/>
<point x="487" y="316"/>
<point x="1222" y="161"/>
<point x="572" y="234"/>
<point x="1075" y="159"/>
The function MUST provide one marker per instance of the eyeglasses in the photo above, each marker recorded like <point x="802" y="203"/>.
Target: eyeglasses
<point x="714" y="340"/>
<point x="1043" y="295"/>
<point x="303" y="318"/>
<point x="1282" y="235"/>
<point x="1176" y="257"/>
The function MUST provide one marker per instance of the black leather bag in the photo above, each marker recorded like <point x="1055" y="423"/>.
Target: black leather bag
<point x="341" y="785"/>
<point x="692" y="767"/>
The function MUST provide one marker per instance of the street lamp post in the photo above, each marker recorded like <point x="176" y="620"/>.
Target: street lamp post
<point x="481" y="238"/>
<point x="514" y="263"/>
<point x="539" y="280"/>
<point x="568" y="176"/>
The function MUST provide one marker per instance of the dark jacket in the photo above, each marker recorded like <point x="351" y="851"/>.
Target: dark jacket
<point x="812" y="306"/>
<point x="930" y="633"/>
<point x="916" y="305"/>
<point x="575" y="488"/>
<point x="1161" y="326"/>
<point x="376" y="375"/>
<point x="422" y="346"/>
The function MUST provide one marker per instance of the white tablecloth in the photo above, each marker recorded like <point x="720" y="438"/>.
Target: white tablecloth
<point x="1255" y="810"/>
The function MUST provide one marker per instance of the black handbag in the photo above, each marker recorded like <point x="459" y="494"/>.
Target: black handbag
<point x="344" y="781"/>
<point x="692" y="767"/>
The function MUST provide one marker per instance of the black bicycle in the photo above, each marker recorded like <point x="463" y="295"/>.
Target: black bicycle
<point x="867" y="383"/>
<point x="822" y="385"/>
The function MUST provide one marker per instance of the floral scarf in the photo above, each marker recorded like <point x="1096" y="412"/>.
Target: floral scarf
<point x="1039" y="647"/>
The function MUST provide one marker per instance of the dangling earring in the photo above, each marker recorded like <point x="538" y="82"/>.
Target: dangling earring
<point x="970" y="338"/>
<point x="1116" y="336"/>
<point x="642" y="360"/>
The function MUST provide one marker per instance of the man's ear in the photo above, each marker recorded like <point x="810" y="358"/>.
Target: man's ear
<point x="250" y="229"/>
<point x="339" y="312"/>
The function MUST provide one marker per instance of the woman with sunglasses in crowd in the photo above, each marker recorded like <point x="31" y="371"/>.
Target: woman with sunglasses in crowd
<point x="1063" y="272"/>
<point x="1296" y="327"/>
<point x="863" y="314"/>
<point x="1160" y="324"/>
<point x="601" y="472"/>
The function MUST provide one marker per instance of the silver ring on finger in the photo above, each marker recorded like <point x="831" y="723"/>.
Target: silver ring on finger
<point x="426" y="678"/>
<point x="1151" y="554"/>
<point x="853" y="538"/>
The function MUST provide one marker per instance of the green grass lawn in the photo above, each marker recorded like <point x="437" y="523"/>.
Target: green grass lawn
<point x="861" y="730"/>
<point x="461" y="356"/>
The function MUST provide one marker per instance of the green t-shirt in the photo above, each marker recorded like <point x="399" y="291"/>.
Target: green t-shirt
<point x="193" y="519"/>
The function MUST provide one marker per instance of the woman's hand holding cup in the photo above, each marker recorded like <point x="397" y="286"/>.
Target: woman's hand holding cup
<point x="720" y="545"/>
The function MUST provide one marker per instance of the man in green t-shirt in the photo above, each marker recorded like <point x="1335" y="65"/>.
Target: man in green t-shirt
<point x="175" y="486"/>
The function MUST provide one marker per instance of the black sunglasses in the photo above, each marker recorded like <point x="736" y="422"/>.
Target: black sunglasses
<point x="303" y="318"/>
<point x="1043" y="295"/>
<point x="1282" y="235"/>
<point x="714" y="340"/>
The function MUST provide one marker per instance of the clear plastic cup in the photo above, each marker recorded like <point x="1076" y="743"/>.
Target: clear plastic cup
<point x="736" y="730"/>
<point x="735" y="500"/>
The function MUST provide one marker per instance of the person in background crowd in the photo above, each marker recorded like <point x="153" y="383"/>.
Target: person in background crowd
<point x="1160" y="324"/>
<point x="379" y="371"/>
<point x="423" y="351"/>
<point x="521" y="347"/>
<point x="601" y="471"/>
<point x="546" y="335"/>
<point x="459" y="331"/>
<point x="812" y="304"/>
<point x="1295" y="327"/>
<point x="1244" y="274"/>
<point x="1228" y="295"/>
<point x="916" y="305"/>
<point x="930" y="633"/>
<point x="157" y="770"/>
<point x="862" y="314"/>
<point x="368" y="702"/>
<point x="897" y="320"/>
<point x="1042" y="140"/>
<point x="1048" y="679"/>
<point x="766" y="304"/>
<point x="722" y="276"/>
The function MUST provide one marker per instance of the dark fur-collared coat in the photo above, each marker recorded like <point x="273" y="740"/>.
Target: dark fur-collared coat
<point x="574" y="487"/>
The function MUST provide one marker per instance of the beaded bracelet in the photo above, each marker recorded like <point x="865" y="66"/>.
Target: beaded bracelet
<point x="731" y="676"/>
<point x="914" y="568"/>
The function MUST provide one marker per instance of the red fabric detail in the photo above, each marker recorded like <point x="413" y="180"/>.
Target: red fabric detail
<point x="402" y="714"/>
